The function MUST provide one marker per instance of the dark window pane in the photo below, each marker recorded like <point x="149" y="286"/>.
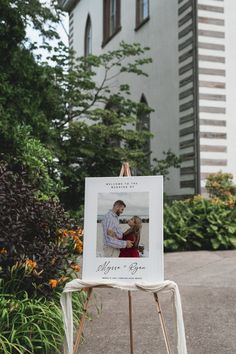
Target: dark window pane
<point x="143" y="124"/>
<point x="111" y="17"/>
<point x="142" y="11"/>
<point x="88" y="38"/>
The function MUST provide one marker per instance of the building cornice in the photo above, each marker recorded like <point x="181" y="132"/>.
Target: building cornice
<point x="67" y="5"/>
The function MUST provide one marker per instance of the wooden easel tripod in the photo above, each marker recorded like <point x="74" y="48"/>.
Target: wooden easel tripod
<point x="125" y="171"/>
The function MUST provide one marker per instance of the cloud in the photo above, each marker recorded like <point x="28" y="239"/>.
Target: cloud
<point x="137" y="203"/>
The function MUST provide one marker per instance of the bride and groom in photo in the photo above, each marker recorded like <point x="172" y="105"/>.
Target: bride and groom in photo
<point x="116" y="241"/>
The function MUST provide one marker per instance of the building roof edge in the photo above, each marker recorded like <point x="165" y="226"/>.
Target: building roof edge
<point x="67" y="5"/>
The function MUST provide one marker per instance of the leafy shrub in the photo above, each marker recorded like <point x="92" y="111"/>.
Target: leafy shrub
<point x="221" y="185"/>
<point x="33" y="325"/>
<point x="38" y="160"/>
<point x="33" y="255"/>
<point x="200" y="223"/>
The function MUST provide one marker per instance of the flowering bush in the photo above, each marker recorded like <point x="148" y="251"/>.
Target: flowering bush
<point x="34" y="255"/>
<point x="220" y="185"/>
<point x="73" y="239"/>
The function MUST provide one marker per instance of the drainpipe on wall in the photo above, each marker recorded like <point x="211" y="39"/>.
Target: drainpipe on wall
<point x="197" y="166"/>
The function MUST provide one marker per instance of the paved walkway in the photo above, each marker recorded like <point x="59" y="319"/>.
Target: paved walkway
<point x="207" y="283"/>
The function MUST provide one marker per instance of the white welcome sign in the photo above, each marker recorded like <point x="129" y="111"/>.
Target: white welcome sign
<point x="123" y="231"/>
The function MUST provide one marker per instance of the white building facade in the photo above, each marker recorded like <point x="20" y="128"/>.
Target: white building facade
<point x="192" y="80"/>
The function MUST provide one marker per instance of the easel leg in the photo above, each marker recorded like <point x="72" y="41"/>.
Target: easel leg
<point x="130" y="324"/>
<point x="162" y="324"/>
<point x="81" y="324"/>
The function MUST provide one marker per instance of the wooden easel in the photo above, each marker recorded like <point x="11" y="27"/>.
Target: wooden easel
<point x="125" y="171"/>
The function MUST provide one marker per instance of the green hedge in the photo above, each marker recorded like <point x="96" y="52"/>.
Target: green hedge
<point x="200" y="224"/>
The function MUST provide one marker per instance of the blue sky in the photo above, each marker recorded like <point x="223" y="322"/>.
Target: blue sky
<point x="62" y="29"/>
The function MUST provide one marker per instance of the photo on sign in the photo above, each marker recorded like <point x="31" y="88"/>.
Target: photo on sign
<point x="123" y="224"/>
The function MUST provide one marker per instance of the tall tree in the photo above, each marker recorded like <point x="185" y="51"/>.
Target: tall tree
<point x="29" y="95"/>
<point x="100" y="120"/>
<point x="63" y="121"/>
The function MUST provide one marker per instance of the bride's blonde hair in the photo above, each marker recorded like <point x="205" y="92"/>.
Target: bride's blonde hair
<point x="136" y="229"/>
<point x="138" y="224"/>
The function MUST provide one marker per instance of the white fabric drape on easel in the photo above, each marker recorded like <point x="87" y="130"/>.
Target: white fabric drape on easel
<point x="78" y="284"/>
